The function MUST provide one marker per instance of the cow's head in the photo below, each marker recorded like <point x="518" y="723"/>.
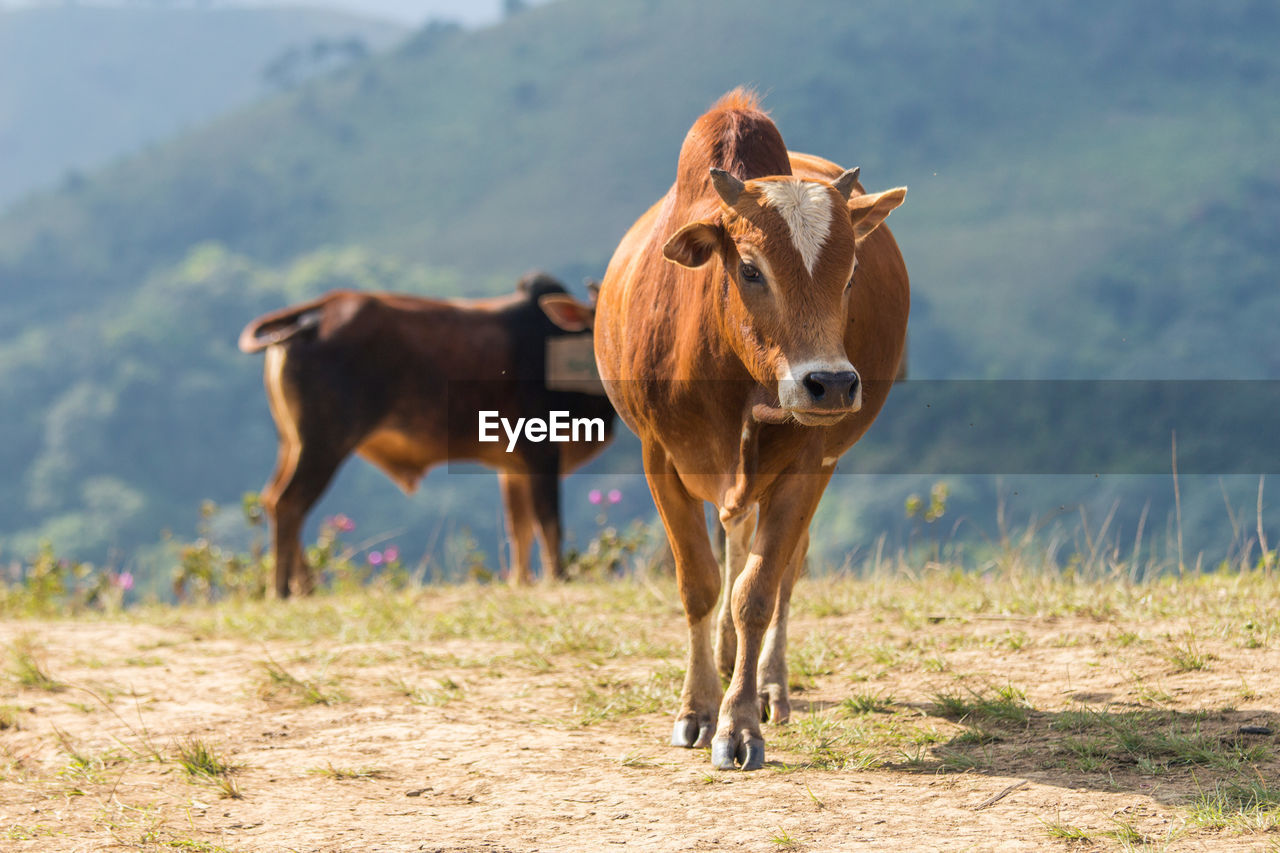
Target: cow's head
<point x="568" y="313"/>
<point x="787" y="250"/>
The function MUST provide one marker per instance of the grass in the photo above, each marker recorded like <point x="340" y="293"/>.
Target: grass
<point x="1152" y="743"/>
<point x="195" y="846"/>
<point x="1067" y="832"/>
<point x="1249" y="806"/>
<point x="1006" y="705"/>
<point x="866" y="703"/>
<point x="199" y="760"/>
<point x="346" y="774"/>
<point x="835" y="740"/>
<point x="276" y="681"/>
<point x="27" y="668"/>
<point x="784" y="840"/>
<point x="202" y="763"/>
<point x="636" y="759"/>
<point x="1187" y="656"/>
<point x="1112" y="719"/>
<point x="1126" y="834"/>
<point x="445" y="691"/>
<point x="613" y="698"/>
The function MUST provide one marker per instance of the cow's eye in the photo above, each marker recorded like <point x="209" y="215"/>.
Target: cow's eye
<point x="751" y="273"/>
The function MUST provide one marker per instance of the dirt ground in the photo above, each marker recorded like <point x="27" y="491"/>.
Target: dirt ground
<point x="539" y="722"/>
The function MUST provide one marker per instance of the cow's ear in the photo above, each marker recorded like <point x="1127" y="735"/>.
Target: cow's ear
<point x="693" y="245"/>
<point x="868" y="211"/>
<point x="566" y="312"/>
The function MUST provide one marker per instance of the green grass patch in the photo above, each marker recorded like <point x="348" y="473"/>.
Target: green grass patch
<point x="199" y="760"/>
<point x="613" y="698"/>
<point x="1151" y="742"/>
<point x="276" y="681"/>
<point x="345" y="774"/>
<point x="1249" y="806"/>
<point x="202" y="763"/>
<point x="866" y="703"/>
<point x="27" y="668"/>
<point x="445" y="691"/>
<point x="1005" y="705"/>
<point x="1067" y="832"/>
<point x="1187" y="656"/>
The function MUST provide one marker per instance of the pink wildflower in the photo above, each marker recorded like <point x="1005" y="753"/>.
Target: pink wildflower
<point x="375" y="558"/>
<point x="615" y="495"/>
<point x="341" y="523"/>
<point x="391" y="554"/>
<point x="595" y="497"/>
<point x="124" y="581"/>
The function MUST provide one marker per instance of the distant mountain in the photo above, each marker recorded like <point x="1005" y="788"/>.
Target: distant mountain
<point x="1047" y="148"/>
<point x="1094" y="192"/>
<point x="80" y="85"/>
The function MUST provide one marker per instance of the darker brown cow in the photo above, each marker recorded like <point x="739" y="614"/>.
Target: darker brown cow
<point x="736" y="340"/>
<point x="401" y="380"/>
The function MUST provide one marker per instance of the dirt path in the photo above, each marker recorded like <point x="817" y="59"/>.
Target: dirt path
<point x="544" y="728"/>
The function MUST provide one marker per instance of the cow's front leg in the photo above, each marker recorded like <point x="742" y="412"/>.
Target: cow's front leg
<point x="698" y="579"/>
<point x="784" y="517"/>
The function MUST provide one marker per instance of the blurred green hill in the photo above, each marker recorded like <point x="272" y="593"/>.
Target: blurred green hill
<point x="80" y="85"/>
<point x="1094" y="192"/>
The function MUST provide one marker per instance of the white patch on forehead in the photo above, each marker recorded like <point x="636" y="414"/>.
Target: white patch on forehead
<point x="806" y="208"/>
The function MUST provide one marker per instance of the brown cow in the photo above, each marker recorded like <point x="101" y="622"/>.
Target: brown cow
<point x="728" y="328"/>
<point x="401" y="380"/>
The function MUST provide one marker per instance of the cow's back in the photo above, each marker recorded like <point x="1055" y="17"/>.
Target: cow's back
<point x="439" y="363"/>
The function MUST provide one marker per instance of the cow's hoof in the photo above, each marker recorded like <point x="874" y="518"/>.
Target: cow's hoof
<point x="774" y="710"/>
<point x="689" y="734"/>
<point x="727" y="755"/>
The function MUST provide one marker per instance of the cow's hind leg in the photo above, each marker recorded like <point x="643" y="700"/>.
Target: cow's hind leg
<point x="775" y="704"/>
<point x="544" y="488"/>
<point x="286" y="543"/>
<point x="738" y="533"/>
<point x="518" y="503"/>
<point x="287" y="500"/>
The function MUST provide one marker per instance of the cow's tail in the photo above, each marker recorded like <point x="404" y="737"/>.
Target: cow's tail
<point x="279" y="326"/>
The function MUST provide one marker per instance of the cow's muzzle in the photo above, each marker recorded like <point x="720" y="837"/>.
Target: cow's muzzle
<point x="831" y="390"/>
<point x="821" y="397"/>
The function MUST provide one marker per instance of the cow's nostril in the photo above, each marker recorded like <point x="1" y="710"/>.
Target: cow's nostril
<point x="815" y="388"/>
<point x="832" y="388"/>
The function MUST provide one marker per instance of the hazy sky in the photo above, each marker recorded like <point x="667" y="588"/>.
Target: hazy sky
<point x="470" y="12"/>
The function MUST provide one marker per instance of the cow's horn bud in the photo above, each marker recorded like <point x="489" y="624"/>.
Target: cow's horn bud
<point x="727" y="186"/>
<point x="847" y="181"/>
